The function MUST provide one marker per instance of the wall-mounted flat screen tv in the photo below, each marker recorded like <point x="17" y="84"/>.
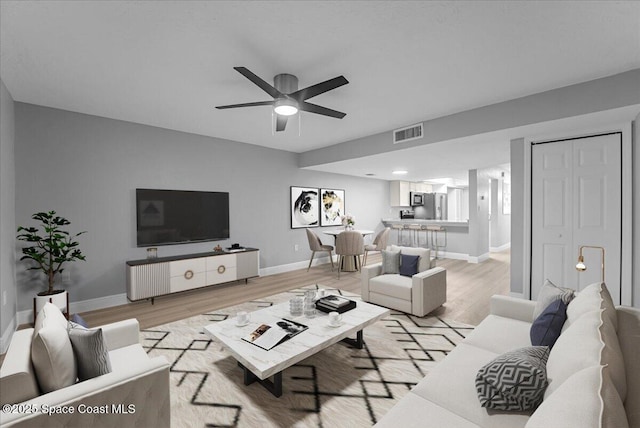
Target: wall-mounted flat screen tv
<point x="166" y="217"/>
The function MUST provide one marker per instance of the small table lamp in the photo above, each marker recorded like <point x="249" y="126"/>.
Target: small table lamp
<point x="580" y="267"/>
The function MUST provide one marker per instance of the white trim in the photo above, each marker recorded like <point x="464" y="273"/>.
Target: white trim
<point x="293" y="266"/>
<point x="450" y="255"/>
<point x="26" y="317"/>
<point x="626" y="265"/>
<point x="482" y="258"/>
<point x="500" y="248"/>
<point x="5" y="340"/>
<point x="516" y="295"/>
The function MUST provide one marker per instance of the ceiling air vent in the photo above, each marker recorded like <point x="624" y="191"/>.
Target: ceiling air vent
<point x="409" y="133"/>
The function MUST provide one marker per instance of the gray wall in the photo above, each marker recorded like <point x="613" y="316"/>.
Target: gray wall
<point x="500" y="222"/>
<point x="517" y="215"/>
<point x="87" y="169"/>
<point x="478" y="212"/>
<point x="607" y="93"/>
<point x="7" y="215"/>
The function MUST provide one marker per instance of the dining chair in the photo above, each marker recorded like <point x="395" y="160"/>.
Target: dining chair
<point x="315" y="245"/>
<point x="349" y="243"/>
<point x="379" y="243"/>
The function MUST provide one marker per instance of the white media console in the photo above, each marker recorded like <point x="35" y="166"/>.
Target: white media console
<point x="150" y="278"/>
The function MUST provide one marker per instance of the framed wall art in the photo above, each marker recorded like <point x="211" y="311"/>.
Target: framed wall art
<point x="304" y="207"/>
<point x="331" y="207"/>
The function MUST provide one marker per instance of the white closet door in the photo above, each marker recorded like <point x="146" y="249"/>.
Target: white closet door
<point x="576" y="200"/>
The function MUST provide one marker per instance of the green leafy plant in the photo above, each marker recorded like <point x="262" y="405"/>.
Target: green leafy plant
<point x="51" y="247"/>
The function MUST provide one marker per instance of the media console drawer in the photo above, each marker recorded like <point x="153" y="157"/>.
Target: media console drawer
<point x="157" y="277"/>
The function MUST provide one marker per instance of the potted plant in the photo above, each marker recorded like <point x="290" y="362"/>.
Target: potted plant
<point x="51" y="248"/>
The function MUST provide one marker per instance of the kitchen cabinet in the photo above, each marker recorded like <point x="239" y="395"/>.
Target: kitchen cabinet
<point x="399" y="193"/>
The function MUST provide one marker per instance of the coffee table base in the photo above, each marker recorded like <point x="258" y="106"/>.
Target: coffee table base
<point x="275" y="386"/>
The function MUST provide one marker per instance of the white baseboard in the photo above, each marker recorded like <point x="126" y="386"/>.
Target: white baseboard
<point x="482" y="258"/>
<point x="516" y="295"/>
<point x="7" y="335"/>
<point x="26" y="317"/>
<point x="500" y="248"/>
<point x="450" y="255"/>
<point x="293" y="266"/>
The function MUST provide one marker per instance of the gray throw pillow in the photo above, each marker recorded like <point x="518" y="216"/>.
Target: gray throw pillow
<point x="90" y="350"/>
<point x="548" y="294"/>
<point x="514" y="381"/>
<point x="390" y="262"/>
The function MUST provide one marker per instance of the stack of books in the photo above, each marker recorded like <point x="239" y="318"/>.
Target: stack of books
<point x="333" y="303"/>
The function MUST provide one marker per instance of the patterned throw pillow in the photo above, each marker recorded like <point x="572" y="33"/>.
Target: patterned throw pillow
<point x="408" y="265"/>
<point x="515" y="380"/>
<point x="546" y="329"/>
<point x="90" y="350"/>
<point x="390" y="262"/>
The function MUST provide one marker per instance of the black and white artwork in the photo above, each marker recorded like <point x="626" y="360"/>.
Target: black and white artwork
<point x="304" y="207"/>
<point x="331" y="207"/>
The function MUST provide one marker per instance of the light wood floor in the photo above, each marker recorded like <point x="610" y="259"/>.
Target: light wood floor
<point x="469" y="287"/>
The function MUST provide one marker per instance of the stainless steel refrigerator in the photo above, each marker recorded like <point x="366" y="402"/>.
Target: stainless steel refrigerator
<point x="435" y="206"/>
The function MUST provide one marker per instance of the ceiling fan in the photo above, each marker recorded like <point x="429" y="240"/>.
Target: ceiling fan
<point x="288" y="99"/>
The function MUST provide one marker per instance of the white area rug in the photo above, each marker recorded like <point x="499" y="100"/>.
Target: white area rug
<point x="338" y="387"/>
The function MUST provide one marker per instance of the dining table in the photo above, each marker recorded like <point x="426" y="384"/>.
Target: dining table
<point x="349" y="263"/>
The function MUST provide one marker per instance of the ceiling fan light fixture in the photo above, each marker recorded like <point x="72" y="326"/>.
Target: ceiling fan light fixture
<point x="285" y="107"/>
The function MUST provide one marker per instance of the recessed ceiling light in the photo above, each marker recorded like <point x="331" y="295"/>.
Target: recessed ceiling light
<point x="369" y="174"/>
<point x="400" y="172"/>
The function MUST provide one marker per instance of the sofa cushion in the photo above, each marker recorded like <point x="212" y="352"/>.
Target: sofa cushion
<point x="594" y="296"/>
<point x="589" y="341"/>
<point x="90" y="351"/>
<point x="128" y="357"/>
<point x="51" y="351"/>
<point x="515" y="380"/>
<point x="546" y="329"/>
<point x="408" y="265"/>
<point x="393" y="285"/>
<point x="412" y="412"/>
<point x="500" y="334"/>
<point x="451" y="385"/>
<point x="548" y="294"/>
<point x="390" y="262"/>
<point x="587" y="399"/>
<point x="424" y="253"/>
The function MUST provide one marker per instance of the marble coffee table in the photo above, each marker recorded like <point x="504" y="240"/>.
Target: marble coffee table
<point x="259" y="365"/>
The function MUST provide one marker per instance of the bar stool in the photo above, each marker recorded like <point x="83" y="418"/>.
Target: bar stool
<point x="435" y="238"/>
<point x="398" y="227"/>
<point x="414" y="230"/>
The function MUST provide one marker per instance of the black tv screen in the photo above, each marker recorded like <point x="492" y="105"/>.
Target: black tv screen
<point x="167" y="217"/>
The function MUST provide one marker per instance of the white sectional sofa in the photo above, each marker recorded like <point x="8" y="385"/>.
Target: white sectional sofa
<point x="134" y="394"/>
<point x="593" y="371"/>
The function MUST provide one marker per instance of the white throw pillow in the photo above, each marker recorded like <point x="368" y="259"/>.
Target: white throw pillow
<point x="599" y="406"/>
<point x="52" y="357"/>
<point x="424" y="253"/>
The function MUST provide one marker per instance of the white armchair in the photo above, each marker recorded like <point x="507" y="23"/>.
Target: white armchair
<point x="417" y="295"/>
<point x="136" y="391"/>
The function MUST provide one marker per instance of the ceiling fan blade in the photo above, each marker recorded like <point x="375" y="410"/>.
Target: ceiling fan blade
<point x="259" y="82"/>
<point x="317" y="89"/>
<point x="281" y="122"/>
<point x="258" y="103"/>
<point x="314" y="108"/>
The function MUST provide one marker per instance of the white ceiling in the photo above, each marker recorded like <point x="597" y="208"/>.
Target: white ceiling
<point x="167" y="64"/>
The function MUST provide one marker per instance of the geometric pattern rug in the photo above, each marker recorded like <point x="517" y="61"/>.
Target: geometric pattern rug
<point x="338" y="387"/>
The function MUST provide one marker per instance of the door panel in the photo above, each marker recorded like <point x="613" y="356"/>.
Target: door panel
<point x="550" y="214"/>
<point x="576" y="200"/>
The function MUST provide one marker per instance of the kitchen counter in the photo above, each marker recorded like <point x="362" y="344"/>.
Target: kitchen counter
<point x="456" y="239"/>
<point x="443" y="223"/>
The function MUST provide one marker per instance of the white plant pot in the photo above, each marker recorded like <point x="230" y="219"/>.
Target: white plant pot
<point x="60" y="300"/>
